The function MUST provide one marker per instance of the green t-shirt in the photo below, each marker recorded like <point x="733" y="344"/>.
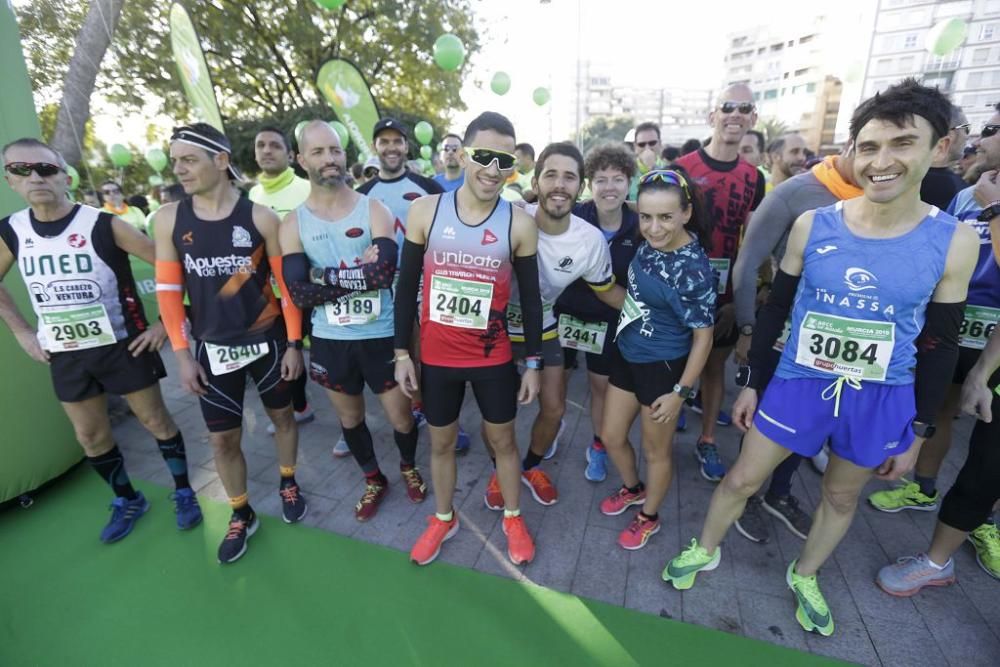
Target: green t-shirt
<point x="282" y="201"/>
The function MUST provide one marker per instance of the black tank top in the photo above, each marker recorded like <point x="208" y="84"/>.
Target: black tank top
<point x="227" y="277"/>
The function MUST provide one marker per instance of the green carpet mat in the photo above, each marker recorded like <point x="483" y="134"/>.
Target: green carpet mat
<point x="301" y="596"/>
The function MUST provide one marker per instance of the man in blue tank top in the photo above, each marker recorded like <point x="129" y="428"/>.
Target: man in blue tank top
<point x="340" y="260"/>
<point x="876" y="287"/>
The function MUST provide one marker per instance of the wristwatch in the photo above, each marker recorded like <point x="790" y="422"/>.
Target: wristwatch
<point x="746" y="330"/>
<point x="534" y="363"/>
<point x="295" y="344"/>
<point x="684" y="392"/>
<point x="923" y="429"/>
<point x="743" y="376"/>
<point x="990" y="212"/>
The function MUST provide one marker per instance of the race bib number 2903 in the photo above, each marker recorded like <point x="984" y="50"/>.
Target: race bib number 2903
<point x="460" y="303"/>
<point x="859" y="349"/>
<point x="77" y="329"/>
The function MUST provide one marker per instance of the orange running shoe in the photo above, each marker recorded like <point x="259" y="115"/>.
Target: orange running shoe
<point x="494" y="499"/>
<point x="541" y="486"/>
<point x="428" y="546"/>
<point x="416" y="487"/>
<point x="520" y="546"/>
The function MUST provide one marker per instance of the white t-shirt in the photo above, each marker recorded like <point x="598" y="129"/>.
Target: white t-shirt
<point x="578" y="253"/>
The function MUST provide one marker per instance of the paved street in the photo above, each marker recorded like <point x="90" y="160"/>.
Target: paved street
<point x="577" y="550"/>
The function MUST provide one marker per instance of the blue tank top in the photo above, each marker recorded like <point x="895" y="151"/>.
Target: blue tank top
<point x="982" y="307"/>
<point x="341" y="243"/>
<point x="861" y="302"/>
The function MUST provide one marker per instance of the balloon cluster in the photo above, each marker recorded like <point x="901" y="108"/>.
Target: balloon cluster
<point x="449" y="54"/>
<point x="424" y="133"/>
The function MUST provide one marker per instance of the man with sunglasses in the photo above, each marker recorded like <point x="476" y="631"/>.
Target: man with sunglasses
<point x="467" y="246"/>
<point x="647" y="154"/>
<point x="115" y="204"/>
<point x="92" y="331"/>
<point x="732" y="188"/>
<point x="941" y="183"/>
<point x="452" y="176"/>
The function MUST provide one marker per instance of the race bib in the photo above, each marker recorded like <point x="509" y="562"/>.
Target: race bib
<point x="515" y="318"/>
<point x="630" y="313"/>
<point x="977" y="326"/>
<point x="224" y="359"/>
<point x="579" y="335"/>
<point x="77" y="329"/>
<point x="360" y="308"/>
<point x="460" y="303"/>
<point x="859" y="349"/>
<point x="721" y="268"/>
<point x="779" y="345"/>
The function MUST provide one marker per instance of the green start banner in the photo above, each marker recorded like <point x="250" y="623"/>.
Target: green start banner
<point x="38" y="442"/>
<point x="346" y="90"/>
<point x="193" y="69"/>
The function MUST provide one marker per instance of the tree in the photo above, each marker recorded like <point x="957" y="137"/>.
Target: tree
<point x="772" y="129"/>
<point x="604" y="128"/>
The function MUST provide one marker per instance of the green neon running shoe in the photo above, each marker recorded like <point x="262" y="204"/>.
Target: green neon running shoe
<point x="682" y="569"/>
<point x="906" y="496"/>
<point x="986" y="540"/>
<point x="812" y="613"/>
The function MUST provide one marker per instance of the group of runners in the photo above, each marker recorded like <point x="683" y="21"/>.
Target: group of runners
<point x="415" y="292"/>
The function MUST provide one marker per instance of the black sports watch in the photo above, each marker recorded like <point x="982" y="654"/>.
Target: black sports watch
<point x="923" y="430"/>
<point x="990" y="212"/>
<point x="746" y="330"/>
<point x="684" y="392"/>
<point x="743" y="376"/>
<point x="295" y="344"/>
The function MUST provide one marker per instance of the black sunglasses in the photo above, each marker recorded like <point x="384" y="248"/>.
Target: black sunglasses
<point x="649" y="144"/>
<point x="43" y="169"/>
<point x="745" y="108"/>
<point x="989" y="130"/>
<point x="484" y="157"/>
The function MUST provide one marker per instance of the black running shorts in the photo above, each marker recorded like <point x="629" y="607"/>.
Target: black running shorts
<point x="345" y="366"/>
<point x="648" y="381"/>
<point x="222" y="406"/>
<point x="495" y="389"/>
<point x="81" y="374"/>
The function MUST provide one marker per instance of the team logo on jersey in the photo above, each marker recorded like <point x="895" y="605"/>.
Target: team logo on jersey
<point x="76" y="240"/>
<point x="241" y="238"/>
<point x="29" y="242"/>
<point x="489" y="237"/>
<point x="188" y="238"/>
<point x="565" y="263"/>
<point x="410" y="196"/>
<point x="825" y="249"/>
<point x="859" y="280"/>
<point x="66" y="292"/>
<point x="448" y="232"/>
<point x="354" y="232"/>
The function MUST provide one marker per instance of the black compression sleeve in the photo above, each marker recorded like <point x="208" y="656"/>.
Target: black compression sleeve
<point x="406" y="293"/>
<point x="937" y="355"/>
<point x="770" y="323"/>
<point x="305" y="294"/>
<point x="526" y="270"/>
<point x="374" y="275"/>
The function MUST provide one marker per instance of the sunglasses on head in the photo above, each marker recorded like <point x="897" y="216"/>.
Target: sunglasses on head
<point x="989" y="130"/>
<point x="745" y="108"/>
<point x="668" y="176"/>
<point x="43" y="169"/>
<point x="963" y="126"/>
<point x="484" y="157"/>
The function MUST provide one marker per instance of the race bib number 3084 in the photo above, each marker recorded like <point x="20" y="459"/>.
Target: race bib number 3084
<point x="460" y="303"/>
<point x="859" y="349"/>
<point x="77" y="329"/>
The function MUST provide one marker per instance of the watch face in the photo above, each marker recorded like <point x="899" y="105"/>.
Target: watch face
<point x="743" y="376"/>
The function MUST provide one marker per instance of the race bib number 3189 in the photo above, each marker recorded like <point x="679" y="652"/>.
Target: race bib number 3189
<point x="859" y="349"/>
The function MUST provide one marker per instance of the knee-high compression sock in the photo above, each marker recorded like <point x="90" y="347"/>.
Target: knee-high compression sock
<point x="359" y="441"/>
<point x="407" y="445"/>
<point x="111" y="467"/>
<point x="173" y="452"/>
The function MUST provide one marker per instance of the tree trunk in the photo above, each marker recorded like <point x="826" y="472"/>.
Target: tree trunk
<point x="91" y="45"/>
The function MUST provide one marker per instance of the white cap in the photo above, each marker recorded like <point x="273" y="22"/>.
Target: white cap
<point x="630" y="136"/>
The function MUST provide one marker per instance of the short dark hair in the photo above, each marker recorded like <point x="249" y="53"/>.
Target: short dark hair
<point x="690" y="197"/>
<point x="175" y="191"/>
<point x="609" y="156"/>
<point x="489" y="120"/>
<point x="527" y="149"/>
<point x="560" y="148"/>
<point x="759" y="136"/>
<point x="31" y="142"/>
<point x="777" y="145"/>
<point x="357" y="170"/>
<point x="642" y="127"/>
<point x="112" y="182"/>
<point x="451" y="135"/>
<point x="690" y="146"/>
<point x="276" y="130"/>
<point x="670" y="153"/>
<point x="899" y="103"/>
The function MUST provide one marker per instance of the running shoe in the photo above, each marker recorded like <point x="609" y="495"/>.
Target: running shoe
<point x="293" y="504"/>
<point x="419" y="420"/>
<point x="722" y="420"/>
<point x="597" y="464"/>
<point x="367" y="507"/>
<point x="541" y="486"/>
<point x="905" y="496"/>
<point x="304" y="417"/>
<point x="638" y="532"/>
<point x="494" y="498"/>
<point x="340" y="450"/>
<point x="551" y="451"/>
<point x="752" y="524"/>
<point x="986" y="540"/>
<point x="428" y="545"/>
<point x="187" y="509"/>
<point x="124" y="514"/>
<point x="234" y="544"/>
<point x="909" y="574"/>
<point x="710" y="464"/>
<point x="811" y="612"/>
<point x="520" y="546"/>
<point x="463" y="442"/>
<point x="681" y="571"/>
<point x="416" y="487"/>
<point x="621" y="500"/>
<point x="682" y="422"/>
<point x="786" y="510"/>
<point x="821" y="460"/>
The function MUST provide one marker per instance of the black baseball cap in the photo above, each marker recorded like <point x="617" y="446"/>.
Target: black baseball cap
<point x="390" y="124"/>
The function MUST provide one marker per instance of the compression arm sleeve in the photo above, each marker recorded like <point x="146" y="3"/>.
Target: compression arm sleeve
<point x="170" y="298"/>
<point x="526" y="270"/>
<point x="406" y="293"/>
<point x="770" y="324"/>
<point x="937" y="355"/>
<point x="293" y="316"/>
<point x="376" y="275"/>
<point x="768" y="224"/>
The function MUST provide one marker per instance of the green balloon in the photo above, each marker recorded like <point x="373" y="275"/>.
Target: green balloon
<point x="330" y="4"/>
<point x="500" y="83"/>
<point x="155" y="180"/>
<point x="946" y="36"/>
<point x="426" y="152"/>
<point x="541" y="96"/>
<point x="74" y="178"/>
<point x="341" y="130"/>
<point x="156" y="159"/>
<point x="424" y="132"/>
<point x="120" y="156"/>
<point x="449" y="52"/>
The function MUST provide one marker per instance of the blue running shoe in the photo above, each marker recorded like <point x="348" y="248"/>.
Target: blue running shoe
<point x="463" y="442"/>
<point x="724" y="419"/>
<point x="551" y="451"/>
<point x="712" y="467"/>
<point x="682" y="422"/>
<point x="124" y="514"/>
<point x="597" y="464"/>
<point x="419" y="420"/>
<point x="187" y="508"/>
